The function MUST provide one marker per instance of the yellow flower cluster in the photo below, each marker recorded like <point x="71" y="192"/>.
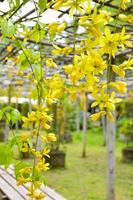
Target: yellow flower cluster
<point x="37" y="118"/>
<point x="89" y="72"/>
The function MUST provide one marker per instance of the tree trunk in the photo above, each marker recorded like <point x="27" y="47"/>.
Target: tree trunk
<point x="110" y="146"/>
<point x="78" y="117"/>
<point x="104" y="129"/>
<point x="84" y="126"/>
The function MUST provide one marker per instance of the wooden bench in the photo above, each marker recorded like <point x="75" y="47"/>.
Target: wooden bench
<point x="10" y="191"/>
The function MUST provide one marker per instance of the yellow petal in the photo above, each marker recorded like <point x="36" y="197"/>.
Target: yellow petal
<point x="95" y="116"/>
<point x="110" y="117"/>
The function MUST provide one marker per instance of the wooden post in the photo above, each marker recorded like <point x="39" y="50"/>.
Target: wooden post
<point x="104" y="129"/>
<point x="110" y="148"/>
<point x="78" y="117"/>
<point x="84" y="126"/>
<point x="110" y="144"/>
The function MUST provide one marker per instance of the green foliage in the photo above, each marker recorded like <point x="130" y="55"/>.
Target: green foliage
<point x="15" y="116"/>
<point x="7" y="28"/>
<point x="24" y="108"/>
<point x="28" y="57"/>
<point x="1" y="114"/>
<point x="90" y="171"/>
<point x="17" y="3"/>
<point x="11" y="114"/>
<point x="38" y="71"/>
<point x="20" y="165"/>
<point x="6" y="155"/>
<point x="14" y="141"/>
<point x="25" y="1"/>
<point x="37" y="33"/>
<point x="42" y="4"/>
<point x="126" y="126"/>
<point x="70" y="115"/>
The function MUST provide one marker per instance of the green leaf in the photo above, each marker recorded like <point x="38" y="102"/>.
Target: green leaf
<point x="14" y="141"/>
<point x="8" y="117"/>
<point x="37" y="34"/>
<point x="37" y="175"/>
<point x="20" y="165"/>
<point x="7" y="28"/>
<point x="38" y="71"/>
<point x="17" y="3"/>
<point x="42" y="4"/>
<point x="25" y="1"/>
<point x="1" y="114"/>
<point x="6" y="155"/>
<point x="15" y="116"/>
<point x="6" y="109"/>
<point x="24" y="57"/>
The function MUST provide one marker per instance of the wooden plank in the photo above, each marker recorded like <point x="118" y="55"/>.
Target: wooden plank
<point x="52" y="194"/>
<point x="12" y="182"/>
<point x="9" y="191"/>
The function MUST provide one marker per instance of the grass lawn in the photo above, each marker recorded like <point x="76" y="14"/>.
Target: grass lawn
<point x="84" y="178"/>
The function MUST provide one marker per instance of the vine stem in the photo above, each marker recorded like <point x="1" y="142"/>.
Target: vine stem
<point x="34" y="160"/>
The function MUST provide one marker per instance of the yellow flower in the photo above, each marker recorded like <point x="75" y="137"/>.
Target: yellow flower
<point x="119" y="86"/>
<point x="94" y="22"/>
<point x="126" y="18"/>
<point x="75" y="72"/>
<point x="51" y="137"/>
<point x="123" y="39"/>
<point x="105" y="100"/>
<point x="24" y="137"/>
<point x="25" y="147"/>
<point x="109" y="43"/>
<point x="45" y="152"/>
<point x="118" y="70"/>
<point x="96" y="116"/>
<point x="123" y="3"/>
<point x="110" y="116"/>
<point x="42" y="166"/>
<point x="29" y="119"/>
<point x="128" y="64"/>
<point x="34" y="193"/>
<point x="64" y="51"/>
<point x="21" y="180"/>
<point x="50" y="63"/>
<point x="75" y="6"/>
<point x="54" y="28"/>
<point x="26" y="170"/>
<point x="9" y="48"/>
<point x="57" y="4"/>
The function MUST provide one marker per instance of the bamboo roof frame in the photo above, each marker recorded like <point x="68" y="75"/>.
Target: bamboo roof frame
<point x="27" y="17"/>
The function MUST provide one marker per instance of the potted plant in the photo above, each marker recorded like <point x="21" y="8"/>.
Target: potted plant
<point x="2" y="131"/>
<point x="57" y="155"/>
<point x="127" y="132"/>
<point x="2" y="135"/>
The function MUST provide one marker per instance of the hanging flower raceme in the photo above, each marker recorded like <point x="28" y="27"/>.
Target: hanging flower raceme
<point x="39" y="119"/>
